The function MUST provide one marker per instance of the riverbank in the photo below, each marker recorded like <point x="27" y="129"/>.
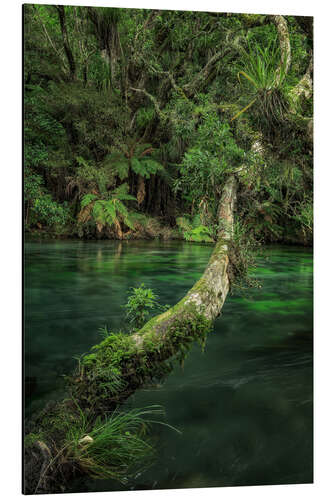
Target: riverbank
<point x="160" y="233"/>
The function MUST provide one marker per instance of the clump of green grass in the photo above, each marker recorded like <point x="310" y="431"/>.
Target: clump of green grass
<point x="114" y="447"/>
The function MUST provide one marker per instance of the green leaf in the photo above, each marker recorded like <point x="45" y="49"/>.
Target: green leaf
<point x="110" y="210"/>
<point x="87" y="199"/>
<point x="138" y="167"/>
<point x="98" y="211"/>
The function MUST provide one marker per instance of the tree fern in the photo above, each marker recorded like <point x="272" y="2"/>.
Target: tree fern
<point x="121" y="193"/>
<point x="107" y="212"/>
<point x="117" y="164"/>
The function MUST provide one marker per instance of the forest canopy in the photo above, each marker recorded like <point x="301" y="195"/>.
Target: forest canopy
<point x="135" y="118"/>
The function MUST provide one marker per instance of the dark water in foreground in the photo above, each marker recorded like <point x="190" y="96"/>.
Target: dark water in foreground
<point x="244" y="406"/>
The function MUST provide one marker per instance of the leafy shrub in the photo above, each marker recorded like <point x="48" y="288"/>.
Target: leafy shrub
<point x="213" y="155"/>
<point x="142" y="302"/>
<point x="194" y="230"/>
<point x="47" y="211"/>
<point x="41" y="209"/>
<point x="303" y="214"/>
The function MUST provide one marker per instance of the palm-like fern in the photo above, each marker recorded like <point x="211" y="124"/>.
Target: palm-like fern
<point x="107" y="212"/>
<point x="146" y="167"/>
<point x="134" y="156"/>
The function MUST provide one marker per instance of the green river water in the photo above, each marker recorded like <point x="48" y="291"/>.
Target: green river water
<point x="244" y="406"/>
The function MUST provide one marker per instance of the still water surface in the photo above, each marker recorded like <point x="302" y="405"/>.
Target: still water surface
<point x="244" y="406"/>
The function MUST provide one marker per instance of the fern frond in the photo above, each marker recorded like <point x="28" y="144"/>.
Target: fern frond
<point x="120" y="207"/>
<point x="141" y="148"/>
<point x="121" y="169"/>
<point x="121" y="193"/>
<point x="98" y="211"/>
<point x="87" y="199"/>
<point x="138" y="167"/>
<point x="117" y="164"/>
<point x="110" y="212"/>
<point x="128" y="222"/>
<point x="152" y="166"/>
<point x="81" y="161"/>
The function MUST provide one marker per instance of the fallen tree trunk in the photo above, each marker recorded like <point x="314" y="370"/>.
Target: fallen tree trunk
<point x="121" y="363"/>
<point x="141" y="356"/>
<point x="208" y="294"/>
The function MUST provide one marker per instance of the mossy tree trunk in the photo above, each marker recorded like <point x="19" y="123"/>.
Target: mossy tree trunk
<point x="206" y="298"/>
<point x="283" y="34"/>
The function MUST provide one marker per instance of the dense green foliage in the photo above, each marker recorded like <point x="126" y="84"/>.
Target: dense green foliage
<point x="134" y="118"/>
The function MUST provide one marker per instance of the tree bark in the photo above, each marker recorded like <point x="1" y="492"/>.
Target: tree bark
<point x="283" y="33"/>
<point x="141" y="191"/>
<point x="304" y="87"/>
<point x="68" y="50"/>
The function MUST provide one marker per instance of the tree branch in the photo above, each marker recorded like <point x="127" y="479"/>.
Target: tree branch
<point x="283" y="33"/>
<point x="303" y="87"/>
<point x="153" y="99"/>
<point x="197" y="81"/>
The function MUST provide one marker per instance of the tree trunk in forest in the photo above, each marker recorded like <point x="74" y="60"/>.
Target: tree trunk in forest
<point x="283" y="33"/>
<point x="141" y="192"/>
<point x="298" y="95"/>
<point x="68" y="50"/>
